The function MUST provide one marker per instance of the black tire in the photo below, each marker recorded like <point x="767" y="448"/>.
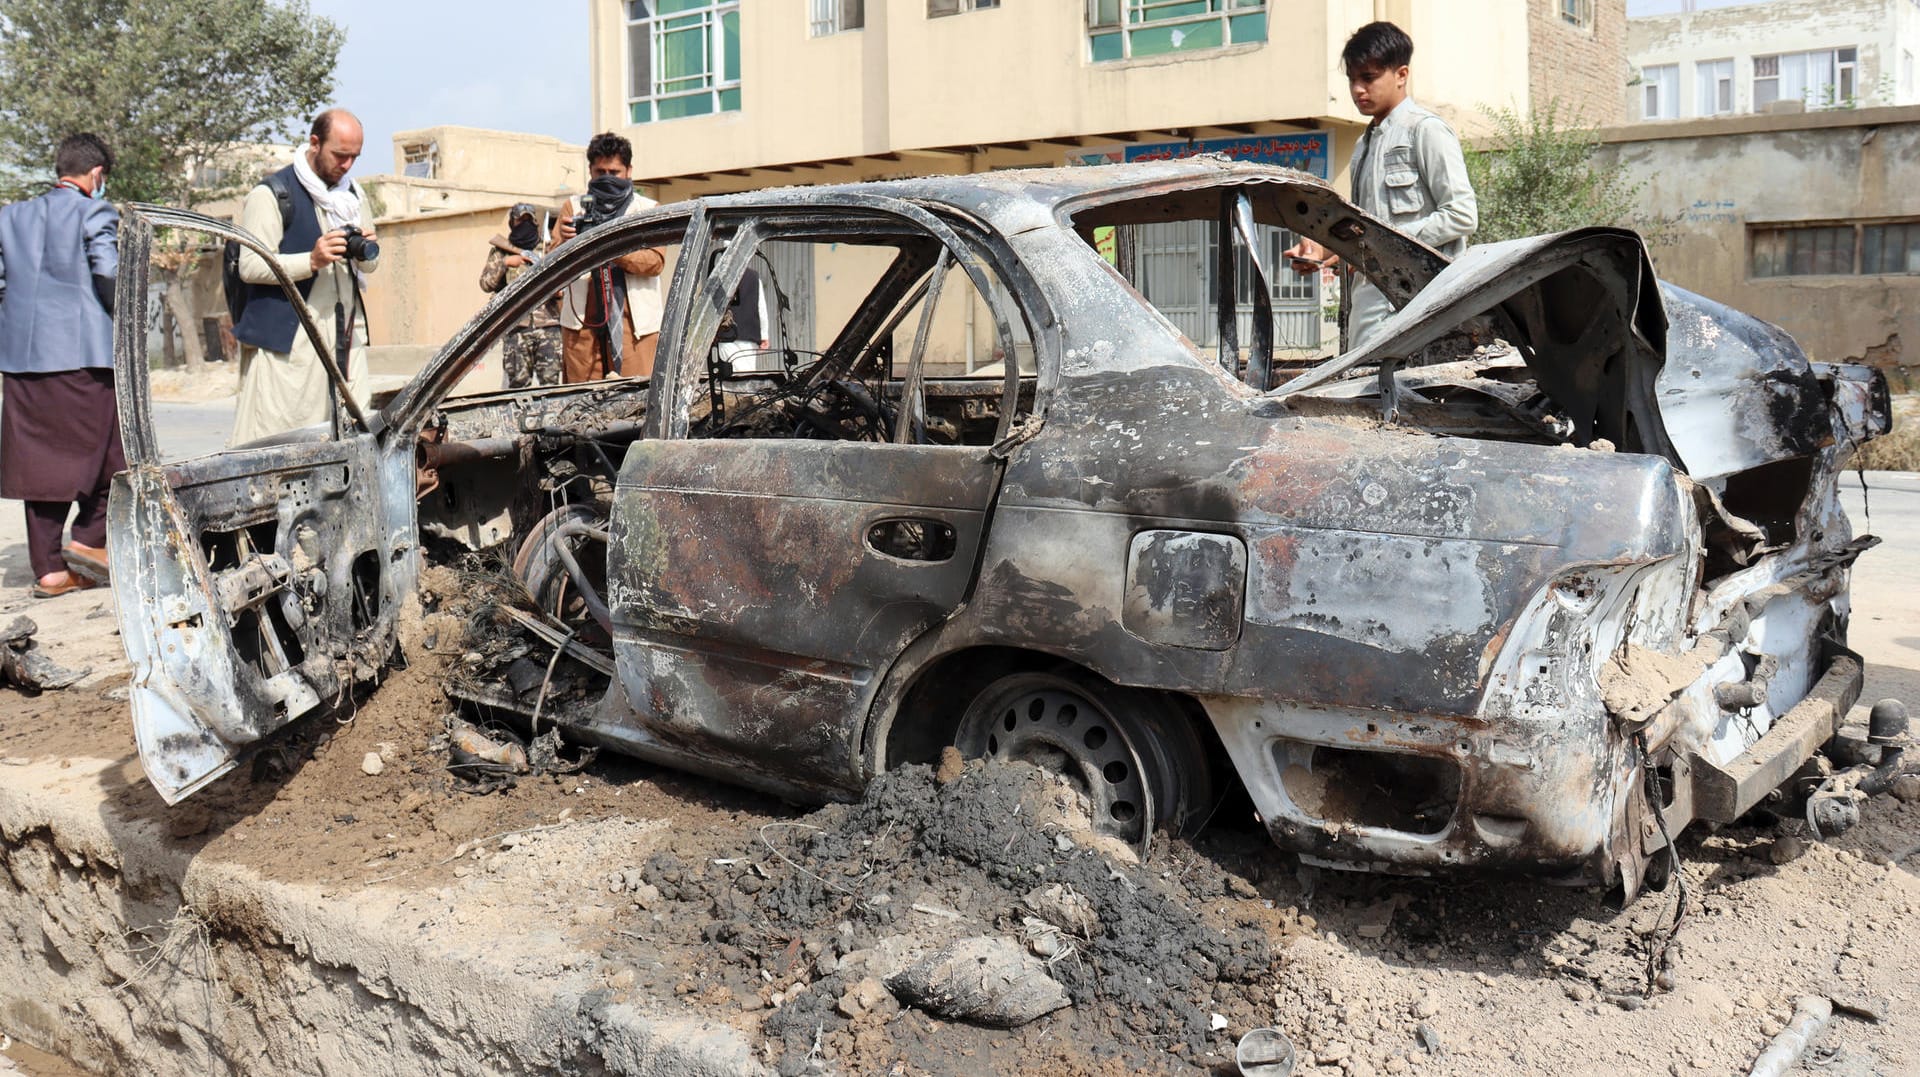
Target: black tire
<point x="1090" y="731"/>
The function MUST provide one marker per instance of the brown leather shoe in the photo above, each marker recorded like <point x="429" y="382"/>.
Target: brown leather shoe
<point x="87" y="561"/>
<point x="65" y="582"/>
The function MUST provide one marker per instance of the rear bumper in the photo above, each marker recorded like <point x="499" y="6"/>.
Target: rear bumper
<point x="1372" y="792"/>
<point x="1723" y="793"/>
<point x="1417" y="796"/>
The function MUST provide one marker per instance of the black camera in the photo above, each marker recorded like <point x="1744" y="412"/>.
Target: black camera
<point x="593" y="212"/>
<point x="359" y="247"/>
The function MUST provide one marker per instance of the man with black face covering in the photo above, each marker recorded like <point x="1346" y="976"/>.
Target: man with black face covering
<point x="530" y="354"/>
<point x="610" y="318"/>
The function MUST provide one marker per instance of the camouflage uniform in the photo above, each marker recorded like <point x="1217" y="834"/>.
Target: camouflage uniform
<point x="530" y="352"/>
<point x="530" y="355"/>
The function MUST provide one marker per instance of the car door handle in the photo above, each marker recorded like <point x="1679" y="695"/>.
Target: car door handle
<point x="913" y="538"/>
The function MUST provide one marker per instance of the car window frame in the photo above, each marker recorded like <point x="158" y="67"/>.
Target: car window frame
<point x="414" y="405"/>
<point x="697" y="316"/>
<point x="1363" y="242"/>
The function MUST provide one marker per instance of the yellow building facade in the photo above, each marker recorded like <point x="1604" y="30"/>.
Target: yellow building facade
<point x="721" y="95"/>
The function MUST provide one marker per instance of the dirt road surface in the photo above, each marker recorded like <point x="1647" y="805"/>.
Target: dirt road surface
<point x="306" y="915"/>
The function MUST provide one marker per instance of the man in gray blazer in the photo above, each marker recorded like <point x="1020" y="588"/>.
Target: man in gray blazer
<point x="59" y="427"/>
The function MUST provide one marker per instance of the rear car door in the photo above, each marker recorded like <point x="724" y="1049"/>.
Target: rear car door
<point x="762" y="580"/>
<point x="254" y="585"/>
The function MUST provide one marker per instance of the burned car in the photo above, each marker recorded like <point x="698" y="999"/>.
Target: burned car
<point x="1550" y="566"/>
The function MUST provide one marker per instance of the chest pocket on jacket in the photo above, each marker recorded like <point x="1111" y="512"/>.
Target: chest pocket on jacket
<point x="1402" y="181"/>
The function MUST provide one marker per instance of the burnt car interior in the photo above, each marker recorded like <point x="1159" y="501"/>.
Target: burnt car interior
<point x="1548" y="363"/>
<point x="529" y="477"/>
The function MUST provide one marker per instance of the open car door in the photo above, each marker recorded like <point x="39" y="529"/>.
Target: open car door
<point x="253" y="585"/>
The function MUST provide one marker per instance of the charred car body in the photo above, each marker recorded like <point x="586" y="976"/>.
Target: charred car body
<point x="1557" y="550"/>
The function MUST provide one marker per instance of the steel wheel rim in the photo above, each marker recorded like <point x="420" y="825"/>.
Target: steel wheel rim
<point x="1061" y="730"/>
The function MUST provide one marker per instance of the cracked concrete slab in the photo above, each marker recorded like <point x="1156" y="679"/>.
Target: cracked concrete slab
<point x="130" y="954"/>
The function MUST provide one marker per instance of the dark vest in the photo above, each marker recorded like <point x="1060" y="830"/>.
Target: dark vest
<point x="746" y="310"/>
<point x="269" y="321"/>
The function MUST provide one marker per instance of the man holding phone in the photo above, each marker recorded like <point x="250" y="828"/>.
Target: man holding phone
<point x="1407" y="170"/>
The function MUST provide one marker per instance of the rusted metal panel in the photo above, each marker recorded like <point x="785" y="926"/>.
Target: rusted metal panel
<point x="256" y="583"/>
<point x="1186" y="588"/>
<point x="752" y="607"/>
<point x="1383" y="563"/>
<point x="1736" y="392"/>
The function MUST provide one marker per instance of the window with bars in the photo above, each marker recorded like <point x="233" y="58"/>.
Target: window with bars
<point x="209" y="176"/>
<point x="420" y="160"/>
<point x="683" y="58"/>
<point x="1577" y="13"/>
<point x="1175" y="266"/>
<point x="1822" y="250"/>
<point x="937" y="8"/>
<point x="1126" y="29"/>
<point x="832" y="16"/>
<point x="1890" y="248"/>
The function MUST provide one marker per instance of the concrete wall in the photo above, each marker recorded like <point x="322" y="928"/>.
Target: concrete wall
<point x="428" y="284"/>
<point x="1883" y="30"/>
<point x="844" y="274"/>
<point x="1716" y="179"/>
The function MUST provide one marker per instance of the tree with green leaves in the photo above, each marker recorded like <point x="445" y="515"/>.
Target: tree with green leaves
<point x="172" y="85"/>
<point x="1538" y="173"/>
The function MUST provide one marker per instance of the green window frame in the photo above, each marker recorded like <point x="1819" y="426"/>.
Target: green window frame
<point x="683" y="58"/>
<point x="1131" y="29"/>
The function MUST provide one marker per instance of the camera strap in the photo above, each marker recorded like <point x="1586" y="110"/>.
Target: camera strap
<point x="613" y="289"/>
<point x="343" y="324"/>
<point x="359" y="306"/>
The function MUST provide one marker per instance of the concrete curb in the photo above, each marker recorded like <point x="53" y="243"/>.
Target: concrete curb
<point x="131" y="955"/>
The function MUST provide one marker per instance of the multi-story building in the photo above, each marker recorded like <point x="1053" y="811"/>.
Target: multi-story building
<point x="1700" y="58"/>
<point x="722" y="95"/>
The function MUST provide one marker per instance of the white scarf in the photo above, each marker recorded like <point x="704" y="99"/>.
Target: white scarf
<point x="339" y="205"/>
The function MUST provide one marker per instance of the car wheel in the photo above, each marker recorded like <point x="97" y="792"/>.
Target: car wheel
<point x="1124" y="748"/>
<point x="539" y="567"/>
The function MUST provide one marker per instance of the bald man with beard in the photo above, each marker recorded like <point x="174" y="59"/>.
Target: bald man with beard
<point x="283" y="384"/>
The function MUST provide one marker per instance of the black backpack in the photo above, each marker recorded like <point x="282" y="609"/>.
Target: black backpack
<point x="239" y="291"/>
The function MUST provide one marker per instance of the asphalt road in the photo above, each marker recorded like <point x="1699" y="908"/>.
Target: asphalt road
<point x="1886" y="583"/>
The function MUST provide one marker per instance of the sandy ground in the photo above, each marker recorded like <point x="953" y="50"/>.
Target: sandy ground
<point x="772" y="919"/>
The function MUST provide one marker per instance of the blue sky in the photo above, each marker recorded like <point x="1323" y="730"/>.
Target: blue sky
<point x="514" y="65"/>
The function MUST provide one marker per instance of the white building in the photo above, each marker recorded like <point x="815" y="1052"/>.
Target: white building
<point x="1695" y="58"/>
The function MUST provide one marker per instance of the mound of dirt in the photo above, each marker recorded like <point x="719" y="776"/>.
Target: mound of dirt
<point x="806" y="917"/>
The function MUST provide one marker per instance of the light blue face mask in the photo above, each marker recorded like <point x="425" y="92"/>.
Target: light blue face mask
<point x="100" y="188"/>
